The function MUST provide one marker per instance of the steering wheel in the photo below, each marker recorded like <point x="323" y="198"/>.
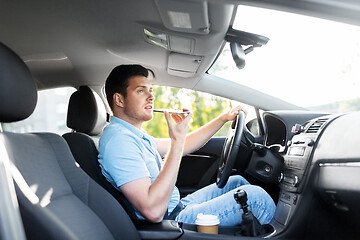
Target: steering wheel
<point x="230" y="149"/>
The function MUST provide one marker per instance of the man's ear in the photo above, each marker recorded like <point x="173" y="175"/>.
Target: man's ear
<point x="118" y="99"/>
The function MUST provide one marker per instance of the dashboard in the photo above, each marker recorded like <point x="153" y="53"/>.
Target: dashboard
<point x="321" y="159"/>
<point x="278" y="125"/>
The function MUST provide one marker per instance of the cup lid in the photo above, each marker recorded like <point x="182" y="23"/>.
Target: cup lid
<point x="207" y="220"/>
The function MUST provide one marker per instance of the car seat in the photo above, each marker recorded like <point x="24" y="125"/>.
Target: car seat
<point x="57" y="199"/>
<point x="87" y="117"/>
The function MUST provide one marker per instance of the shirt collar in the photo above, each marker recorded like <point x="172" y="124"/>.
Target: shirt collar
<point x="140" y="133"/>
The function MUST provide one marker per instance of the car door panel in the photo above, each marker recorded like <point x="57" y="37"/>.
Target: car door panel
<point x="199" y="169"/>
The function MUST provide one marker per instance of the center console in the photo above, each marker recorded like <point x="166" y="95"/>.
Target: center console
<point x="296" y="162"/>
<point x="170" y="229"/>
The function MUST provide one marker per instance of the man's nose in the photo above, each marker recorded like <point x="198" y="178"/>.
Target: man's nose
<point x="151" y="95"/>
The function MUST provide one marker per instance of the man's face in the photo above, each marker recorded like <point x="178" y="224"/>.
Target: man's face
<point x="139" y="102"/>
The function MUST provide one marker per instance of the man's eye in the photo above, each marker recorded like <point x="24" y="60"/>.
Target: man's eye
<point x="140" y="91"/>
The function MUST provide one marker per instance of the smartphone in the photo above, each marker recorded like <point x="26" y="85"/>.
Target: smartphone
<point x="171" y="111"/>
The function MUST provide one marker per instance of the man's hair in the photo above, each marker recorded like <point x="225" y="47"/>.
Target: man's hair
<point x="118" y="80"/>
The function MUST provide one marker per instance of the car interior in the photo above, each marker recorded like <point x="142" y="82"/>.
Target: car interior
<point x="51" y="185"/>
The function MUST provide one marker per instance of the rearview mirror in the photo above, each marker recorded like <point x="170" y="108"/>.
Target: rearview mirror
<point x="238" y="54"/>
<point x="238" y="39"/>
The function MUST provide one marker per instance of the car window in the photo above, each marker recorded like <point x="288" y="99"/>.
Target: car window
<point x="205" y="107"/>
<point x="49" y="115"/>
<point x="310" y="62"/>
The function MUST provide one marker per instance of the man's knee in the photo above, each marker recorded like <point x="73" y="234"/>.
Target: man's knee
<point x="256" y="191"/>
<point x="239" y="180"/>
<point x="258" y="196"/>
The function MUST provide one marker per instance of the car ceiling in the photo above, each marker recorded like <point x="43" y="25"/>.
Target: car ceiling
<point x="74" y="43"/>
<point x="79" y="42"/>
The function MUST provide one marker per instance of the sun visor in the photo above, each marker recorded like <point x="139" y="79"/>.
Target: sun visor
<point x="181" y="44"/>
<point x="184" y="16"/>
<point x="183" y="65"/>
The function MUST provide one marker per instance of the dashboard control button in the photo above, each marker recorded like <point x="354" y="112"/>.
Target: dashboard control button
<point x="295" y="200"/>
<point x="295" y="181"/>
<point x="310" y="142"/>
<point x="281" y="177"/>
<point x="297" y="128"/>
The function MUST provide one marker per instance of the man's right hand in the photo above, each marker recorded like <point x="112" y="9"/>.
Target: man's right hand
<point x="179" y="128"/>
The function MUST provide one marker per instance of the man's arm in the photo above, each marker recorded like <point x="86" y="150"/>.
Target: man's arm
<point x="198" y="138"/>
<point x="152" y="199"/>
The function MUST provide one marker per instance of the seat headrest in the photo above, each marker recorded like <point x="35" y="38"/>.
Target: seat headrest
<point x="18" y="91"/>
<point x="86" y="112"/>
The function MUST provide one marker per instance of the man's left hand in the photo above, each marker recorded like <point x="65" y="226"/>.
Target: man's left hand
<point x="231" y="114"/>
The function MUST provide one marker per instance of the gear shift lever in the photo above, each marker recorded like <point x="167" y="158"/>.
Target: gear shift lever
<point x="250" y="226"/>
<point x="241" y="198"/>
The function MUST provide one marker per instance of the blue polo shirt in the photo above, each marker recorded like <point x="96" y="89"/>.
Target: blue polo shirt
<point x="127" y="154"/>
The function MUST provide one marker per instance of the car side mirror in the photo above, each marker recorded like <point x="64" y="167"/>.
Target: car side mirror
<point x="253" y="127"/>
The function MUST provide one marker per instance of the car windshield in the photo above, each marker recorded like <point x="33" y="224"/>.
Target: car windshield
<point x="310" y="62"/>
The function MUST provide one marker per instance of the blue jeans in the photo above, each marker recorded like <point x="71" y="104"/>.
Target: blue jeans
<point x="221" y="202"/>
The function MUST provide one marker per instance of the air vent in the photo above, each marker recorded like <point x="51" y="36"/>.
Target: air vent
<point x="314" y="128"/>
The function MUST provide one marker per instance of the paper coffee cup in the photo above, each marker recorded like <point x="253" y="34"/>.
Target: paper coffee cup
<point x="207" y="223"/>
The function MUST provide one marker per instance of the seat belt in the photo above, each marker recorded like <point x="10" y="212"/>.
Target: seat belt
<point x="176" y="211"/>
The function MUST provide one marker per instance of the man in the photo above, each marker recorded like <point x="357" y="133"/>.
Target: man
<point x="130" y="158"/>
